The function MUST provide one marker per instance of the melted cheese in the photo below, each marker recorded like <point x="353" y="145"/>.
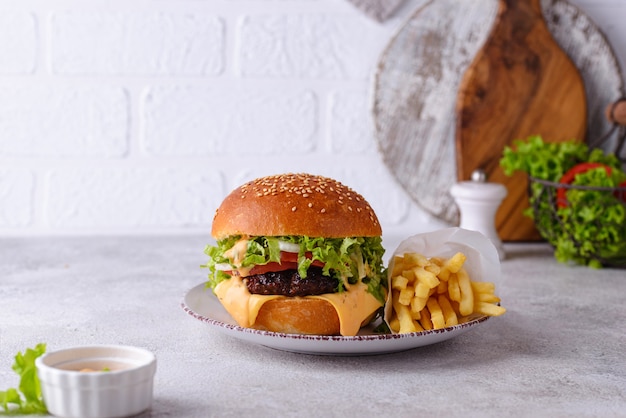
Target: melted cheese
<point x="353" y="306"/>
<point x="237" y="252"/>
<point x="239" y="302"/>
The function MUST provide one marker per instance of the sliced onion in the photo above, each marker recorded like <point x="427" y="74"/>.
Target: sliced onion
<point x="223" y="266"/>
<point x="288" y="247"/>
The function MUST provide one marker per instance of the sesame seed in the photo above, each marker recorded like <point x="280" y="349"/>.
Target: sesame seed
<point x="293" y="209"/>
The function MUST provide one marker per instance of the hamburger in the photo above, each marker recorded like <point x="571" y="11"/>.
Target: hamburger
<point x="299" y="254"/>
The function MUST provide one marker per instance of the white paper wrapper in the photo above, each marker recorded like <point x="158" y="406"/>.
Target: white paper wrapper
<point x="482" y="263"/>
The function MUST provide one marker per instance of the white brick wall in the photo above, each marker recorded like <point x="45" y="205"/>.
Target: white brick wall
<point x="139" y="43"/>
<point x="130" y="197"/>
<point x="139" y="116"/>
<point x="211" y="121"/>
<point x="319" y="46"/>
<point x="18" y="43"/>
<point x="64" y="121"/>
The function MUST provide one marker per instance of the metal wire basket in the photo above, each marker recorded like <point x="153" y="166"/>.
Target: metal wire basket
<point x="601" y="209"/>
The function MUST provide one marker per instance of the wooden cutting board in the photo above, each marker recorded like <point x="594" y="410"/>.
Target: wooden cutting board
<point x="521" y="83"/>
<point x="416" y="84"/>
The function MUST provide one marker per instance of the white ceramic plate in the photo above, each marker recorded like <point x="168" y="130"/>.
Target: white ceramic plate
<point x="201" y="303"/>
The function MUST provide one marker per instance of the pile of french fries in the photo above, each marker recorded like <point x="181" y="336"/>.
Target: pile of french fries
<point x="433" y="293"/>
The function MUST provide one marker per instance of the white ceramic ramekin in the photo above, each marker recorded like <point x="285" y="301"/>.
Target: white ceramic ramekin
<point x="119" y="383"/>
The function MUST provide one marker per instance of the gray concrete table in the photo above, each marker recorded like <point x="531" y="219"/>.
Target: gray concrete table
<point x="558" y="351"/>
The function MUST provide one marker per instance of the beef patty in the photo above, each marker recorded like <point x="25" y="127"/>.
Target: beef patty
<point x="289" y="283"/>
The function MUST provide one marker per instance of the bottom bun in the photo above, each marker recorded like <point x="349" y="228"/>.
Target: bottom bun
<point x="298" y="316"/>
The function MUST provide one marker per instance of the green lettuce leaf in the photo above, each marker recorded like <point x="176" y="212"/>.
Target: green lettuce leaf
<point x="27" y="399"/>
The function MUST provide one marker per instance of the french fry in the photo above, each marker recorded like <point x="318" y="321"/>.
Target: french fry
<point x="455" y="262"/>
<point x="407" y="324"/>
<point x="409" y="274"/>
<point x="406" y="295"/>
<point x="442" y="288"/>
<point x="433" y="268"/>
<point x="452" y="265"/>
<point x="418" y="304"/>
<point x="483" y="287"/>
<point x="484" y="292"/>
<point x="466" y="304"/>
<point x="415" y="259"/>
<point x="436" y="314"/>
<point x="448" y="312"/>
<point x="438" y="261"/>
<point x="399" y="282"/>
<point x="486" y="297"/>
<point x="394" y="324"/>
<point x="453" y="288"/>
<point x="424" y="276"/>
<point x="488" y="309"/>
<point x="425" y="321"/>
<point x="422" y="290"/>
<point x="415" y="315"/>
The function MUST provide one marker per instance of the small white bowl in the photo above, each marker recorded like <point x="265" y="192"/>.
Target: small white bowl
<point x="102" y="381"/>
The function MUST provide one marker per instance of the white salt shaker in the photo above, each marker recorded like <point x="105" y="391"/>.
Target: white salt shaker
<point x="478" y="202"/>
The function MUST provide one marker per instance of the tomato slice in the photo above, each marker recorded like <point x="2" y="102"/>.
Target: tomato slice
<point x="288" y="261"/>
<point x="293" y="258"/>
<point x="272" y="266"/>
<point x="570" y="176"/>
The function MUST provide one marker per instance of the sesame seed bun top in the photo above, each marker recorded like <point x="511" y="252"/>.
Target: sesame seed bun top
<point x="295" y="204"/>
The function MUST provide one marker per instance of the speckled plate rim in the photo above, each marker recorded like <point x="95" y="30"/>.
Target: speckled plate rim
<point x="201" y="303"/>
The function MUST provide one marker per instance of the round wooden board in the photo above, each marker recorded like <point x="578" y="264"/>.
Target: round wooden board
<point x="418" y="75"/>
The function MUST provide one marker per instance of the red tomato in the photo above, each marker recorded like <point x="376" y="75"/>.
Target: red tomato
<point x="570" y="176"/>
<point x="620" y="194"/>
<point x="293" y="257"/>
<point x="288" y="261"/>
<point x="273" y="266"/>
